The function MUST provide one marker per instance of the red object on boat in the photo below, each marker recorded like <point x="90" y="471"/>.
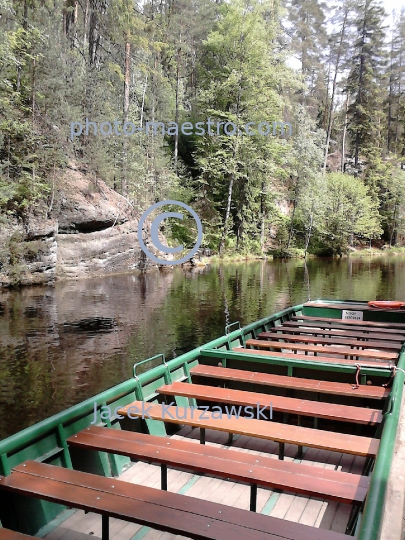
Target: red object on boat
<point x="386" y="304"/>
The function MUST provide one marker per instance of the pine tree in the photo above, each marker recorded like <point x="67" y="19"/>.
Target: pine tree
<point x="364" y="83"/>
<point x="308" y="41"/>
<point x="240" y="78"/>
<point x="339" y="53"/>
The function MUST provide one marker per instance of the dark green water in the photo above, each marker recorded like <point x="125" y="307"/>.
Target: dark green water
<point x="61" y="345"/>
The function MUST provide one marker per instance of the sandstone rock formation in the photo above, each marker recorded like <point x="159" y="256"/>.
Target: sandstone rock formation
<point x="89" y="230"/>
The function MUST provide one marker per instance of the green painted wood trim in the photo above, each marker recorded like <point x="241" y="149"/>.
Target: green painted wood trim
<point x="291" y="362"/>
<point x="369" y="528"/>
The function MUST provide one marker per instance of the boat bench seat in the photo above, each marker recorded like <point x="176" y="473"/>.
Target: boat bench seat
<point x="367" y="331"/>
<point x="250" y="354"/>
<point x="317" y="409"/>
<point x="6" y="534"/>
<point x="366" y="326"/>
<point x="171" y="512"/>
<point x="273" y="431"/>
<point x="226" y="463"/>
<point x="339" y="351"/>
<point x="378" y="334"/>
<point x="294" y="383"/>
<point x="381" y="345"/>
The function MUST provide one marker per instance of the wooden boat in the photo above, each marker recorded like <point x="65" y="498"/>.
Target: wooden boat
<point x="283" y="429"/>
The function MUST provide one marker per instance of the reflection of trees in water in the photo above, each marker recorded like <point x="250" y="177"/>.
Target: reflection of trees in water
<point x="61" y="345"/>
<point x="225" y="299"/>
<point x="307" y="280"/>
<point x="142" y="286"/>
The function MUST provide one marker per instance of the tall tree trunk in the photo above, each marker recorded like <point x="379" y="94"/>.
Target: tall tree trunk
<point x="85" y="23"/>
<point x="332" y="101"/>
<point x="290" y="233"/>
<point x="227" y="214"/>
<point x="97" y="8"/>
<point x="390" y="98"/>
<point x="342" y="168"/>
<point x="25" y="27"/>
<point x="69" y="15"/>
<point x="176" y="137"/>
<point x="143" y="100"/>
<point x="262" y="213"/>
<point x="309" y="232"/>
<point x="361" y="78"/>
<point x="33" y="91"/>
<point x="124" y="185"/>
<point x="231" y="182"/>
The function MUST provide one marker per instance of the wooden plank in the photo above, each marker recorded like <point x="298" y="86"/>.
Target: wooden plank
<point x="325" y="326"/>
<point x="381" y="345"/>
<point x="330" y="411"/>
<point x="327" y="440"/>
<point x="336" y="333"/>
<point x="164" y="511"/>
<point x="209" y="452"/>
<point x="6" y="534"/>
<point x="282" y="381"/>
<point x="379" y="355"/>
<point x="367" y="331"/>
<point x="264" y="471"/>
<point x="366" y="324"/>
<point x="371" y="363"/>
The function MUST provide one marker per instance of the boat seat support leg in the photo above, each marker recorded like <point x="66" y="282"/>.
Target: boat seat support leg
<point x="163" y="476"/>
<point x="253" y="497"/>
<point x="105" y="527"/>
<point x="202" y="435"/>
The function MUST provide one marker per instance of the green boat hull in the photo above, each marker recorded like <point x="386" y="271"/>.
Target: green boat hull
<point x="46" y="440"/>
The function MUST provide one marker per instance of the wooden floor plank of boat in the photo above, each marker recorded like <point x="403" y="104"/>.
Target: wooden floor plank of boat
<point x="305" y="510"/>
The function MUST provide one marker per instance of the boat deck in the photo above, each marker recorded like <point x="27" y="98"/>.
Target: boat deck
<point x="330" y="382"/>
<point x="309" y="511"/>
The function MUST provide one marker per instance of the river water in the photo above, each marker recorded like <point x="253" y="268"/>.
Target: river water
<point x="60" y="345"/>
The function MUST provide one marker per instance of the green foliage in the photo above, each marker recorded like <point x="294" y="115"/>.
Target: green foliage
<point x="241" y="74"/>
<point x="366" y="77"/>
<point x="349" y="211"/>
<point x="190" y="60"/>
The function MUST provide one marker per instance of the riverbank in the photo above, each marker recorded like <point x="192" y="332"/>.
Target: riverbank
<point x="88" y="230"/>
<point x="386" y="250"/>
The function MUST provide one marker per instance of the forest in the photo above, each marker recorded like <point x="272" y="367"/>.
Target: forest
<point x="335" y="71"/>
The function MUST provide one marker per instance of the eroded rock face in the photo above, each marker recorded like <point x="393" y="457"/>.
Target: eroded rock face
<point x="90" y="230"/>
<point x="86" y="205"/>
<point x="114" y="249"/>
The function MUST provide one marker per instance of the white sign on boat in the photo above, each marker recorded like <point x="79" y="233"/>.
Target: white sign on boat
<point x="349" y="315"/>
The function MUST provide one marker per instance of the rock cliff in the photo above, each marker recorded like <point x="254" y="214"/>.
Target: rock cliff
<point x="89" y="230"/>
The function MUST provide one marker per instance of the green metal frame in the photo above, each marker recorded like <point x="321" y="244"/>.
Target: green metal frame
<point x="46" y="441"/>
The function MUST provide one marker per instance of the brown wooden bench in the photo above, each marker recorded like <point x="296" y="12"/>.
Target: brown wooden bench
<point x="337" y="351"/>
<point x="171" y="512"/>
<point x="294" y="383"/>
<point x="273" y="431"/>
<point x="220" y="462"/>
<point x="381" y="345"/>
<point x="350" y="307"/>
<point x="317" y="409"/>
<point x="6" y="534"/>
<point x="371" y="363"/>
<point x="335" y="333"/>
<point x="366" y="330"/>
<point x="366" y="324"/>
